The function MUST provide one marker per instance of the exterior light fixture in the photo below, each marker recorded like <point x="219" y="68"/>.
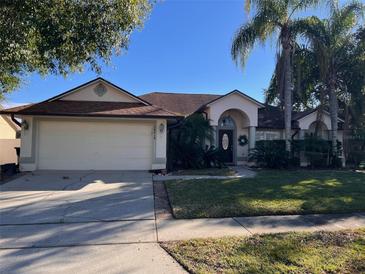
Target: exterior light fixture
<point x="161" y="127"/>
<point x="25" y="125"/>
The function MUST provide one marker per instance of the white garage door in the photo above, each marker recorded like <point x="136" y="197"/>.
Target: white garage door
<point x="97" y="145"/>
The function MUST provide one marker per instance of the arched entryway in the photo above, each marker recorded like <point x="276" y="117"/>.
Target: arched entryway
<point x="319" y="129"/>
<point x="233" y="125"/>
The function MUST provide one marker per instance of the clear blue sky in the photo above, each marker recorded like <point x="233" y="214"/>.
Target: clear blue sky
<point x="183" y="47"/>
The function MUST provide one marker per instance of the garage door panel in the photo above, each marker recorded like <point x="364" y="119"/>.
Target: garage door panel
<point x="94" y="145"/>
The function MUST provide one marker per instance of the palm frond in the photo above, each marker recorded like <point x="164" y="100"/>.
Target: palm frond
<point x="345" y="18"/>
<point x="296" y="5"/>
<point x="258" y="30"/>
<point x="311" y="28"/>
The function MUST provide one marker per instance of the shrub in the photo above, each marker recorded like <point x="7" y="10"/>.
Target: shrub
<point x="356" y="149"/>
<point x="270" y="154"/>
<point x="187" y="148"/>
<point x="319" y="152"/>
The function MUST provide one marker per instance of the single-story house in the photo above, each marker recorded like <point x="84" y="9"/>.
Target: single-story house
<point x="9" y="131"/>
<point x="100" y="126"/>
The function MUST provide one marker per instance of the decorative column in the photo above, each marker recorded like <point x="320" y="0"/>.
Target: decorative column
<point x="301" y="134"/>
<point x="215" y="138"/>
<point x="252" y="137"/>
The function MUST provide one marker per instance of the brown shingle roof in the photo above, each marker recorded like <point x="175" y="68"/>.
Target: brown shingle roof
<point x="92" y="109"/>
<point x="182" y="103"/>
<point x="273" y="117"/>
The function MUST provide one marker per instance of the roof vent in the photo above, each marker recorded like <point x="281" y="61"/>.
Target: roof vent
<point x="100" y="90"/>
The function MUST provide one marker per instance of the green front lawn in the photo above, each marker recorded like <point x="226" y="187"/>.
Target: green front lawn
<point x="320" y="252"/>
<point x="269" y="193"/>
<point x="224" y="171"/>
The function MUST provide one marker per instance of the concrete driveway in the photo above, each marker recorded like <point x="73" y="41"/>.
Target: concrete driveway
<point x="83" y="221"/>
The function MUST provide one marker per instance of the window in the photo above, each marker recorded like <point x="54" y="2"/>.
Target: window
<point x="272" y="135"/>
<point x="267" y="135"/>
<point x="260" y="135"/>
<point x="226" y="121"/>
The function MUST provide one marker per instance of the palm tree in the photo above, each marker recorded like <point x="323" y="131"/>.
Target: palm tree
<point x="273" y="18"/>
<point x="331" y="40"/>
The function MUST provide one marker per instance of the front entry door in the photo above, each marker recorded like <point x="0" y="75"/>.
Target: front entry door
<point x="226" y="145"/>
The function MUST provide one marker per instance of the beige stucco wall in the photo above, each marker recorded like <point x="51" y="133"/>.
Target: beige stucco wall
<point x="233" y="101"/>
<point x="8" y="141"/>
<point x="6" y="130"/>
<point x="87" y="93"/>
<point x="8" y="152"/>
<point x="306" y="121"/>
<point x="31" y="139"/>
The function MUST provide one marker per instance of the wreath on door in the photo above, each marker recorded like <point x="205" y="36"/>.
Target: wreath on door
<point x="242" y="140"/>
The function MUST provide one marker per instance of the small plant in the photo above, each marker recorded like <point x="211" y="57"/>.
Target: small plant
<point x="212" y="157"/>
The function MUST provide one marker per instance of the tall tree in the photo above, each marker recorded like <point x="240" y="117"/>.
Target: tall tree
<point x="306" y="91"/>
<point x="330" y="40"/>
<point x="273" y="18"/>
<point x="59" y="37"/>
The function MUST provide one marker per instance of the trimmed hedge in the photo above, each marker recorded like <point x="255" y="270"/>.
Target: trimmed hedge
<point x="273" y="154"/>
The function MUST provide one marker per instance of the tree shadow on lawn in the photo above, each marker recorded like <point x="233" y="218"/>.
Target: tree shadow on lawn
<point x="269" y="194"/>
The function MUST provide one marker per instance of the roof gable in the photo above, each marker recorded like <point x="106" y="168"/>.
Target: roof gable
<point x="98" y="90"/>
<point x="304" y="114"/>
<point x="237" y="92"/>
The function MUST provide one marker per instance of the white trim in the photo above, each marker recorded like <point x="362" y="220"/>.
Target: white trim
<point x="239" y="93"/>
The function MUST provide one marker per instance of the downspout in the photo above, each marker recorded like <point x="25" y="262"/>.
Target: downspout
<point x="15" y="120"/>
<point x="295" y="134"/>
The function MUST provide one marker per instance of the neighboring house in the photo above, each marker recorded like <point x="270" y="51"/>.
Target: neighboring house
<point x="8" y="139"/>
<point x="103" y="127"/>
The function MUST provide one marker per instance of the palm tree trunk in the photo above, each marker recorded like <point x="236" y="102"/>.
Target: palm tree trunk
<point x="287" y="95"/>
<point x="333" y="104"/>
<point x="319" y="112"/>
<point x="346" y="127"/>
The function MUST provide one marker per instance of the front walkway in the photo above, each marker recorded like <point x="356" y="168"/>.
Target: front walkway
<point x="241" y="172"/>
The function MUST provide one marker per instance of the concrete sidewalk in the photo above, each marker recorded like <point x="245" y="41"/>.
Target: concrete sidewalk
<point x="171" y="230"/>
